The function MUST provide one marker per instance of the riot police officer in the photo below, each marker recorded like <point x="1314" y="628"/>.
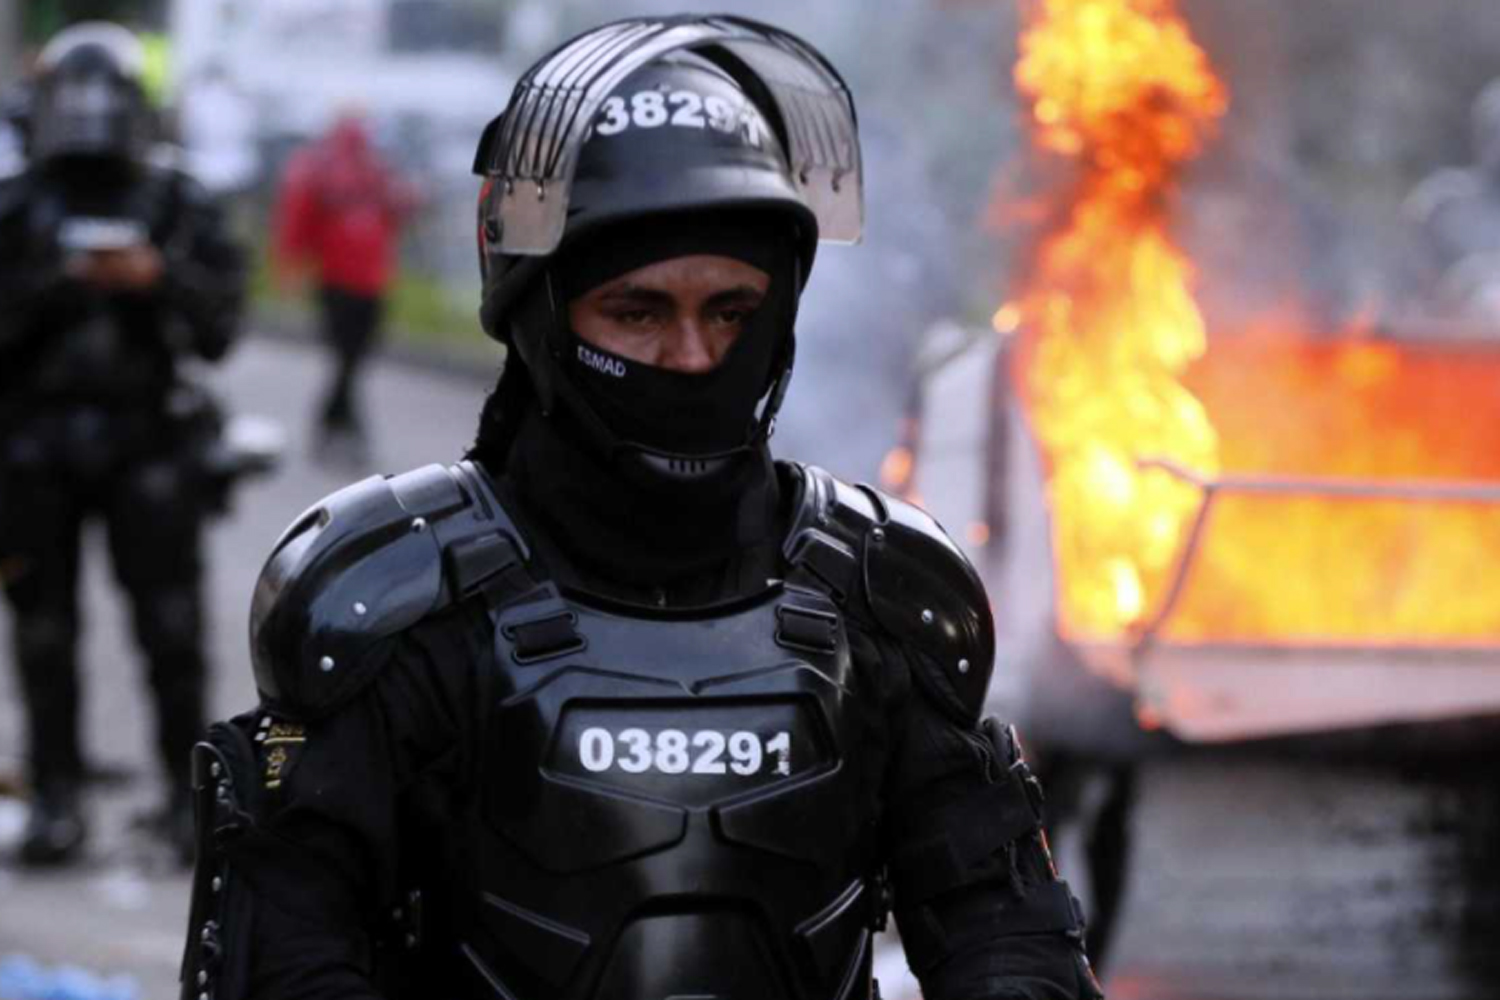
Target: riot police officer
<point x="1457" y="215"/>
<point x="619" y="707"/>
<point x="111" y="269"/>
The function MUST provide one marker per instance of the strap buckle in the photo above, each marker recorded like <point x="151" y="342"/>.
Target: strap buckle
<point x="544" y="638"/>
<point x="807" y="629"/>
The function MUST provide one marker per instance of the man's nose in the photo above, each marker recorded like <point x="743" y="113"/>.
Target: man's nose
<point x="691" y="351"/>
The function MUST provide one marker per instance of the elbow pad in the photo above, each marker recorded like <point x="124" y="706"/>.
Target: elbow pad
<point x="980" y="870"/>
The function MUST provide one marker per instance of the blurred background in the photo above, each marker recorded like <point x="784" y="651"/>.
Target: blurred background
<point x="1185" y="320"/>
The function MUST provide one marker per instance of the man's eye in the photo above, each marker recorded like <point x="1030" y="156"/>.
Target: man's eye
<point x="735" y="316"/>
<point x="635" y="317"/>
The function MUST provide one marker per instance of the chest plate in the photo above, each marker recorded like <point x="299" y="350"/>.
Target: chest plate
<point x="676" y="806"/>
<point x="99" y="348"/>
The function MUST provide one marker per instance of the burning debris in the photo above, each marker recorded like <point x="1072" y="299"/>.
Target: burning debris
<point x="1379" y="523"/>
<point x="1275" y="529"/>
<point x="1364" y="500"/>
<point x="1107" y="317"/>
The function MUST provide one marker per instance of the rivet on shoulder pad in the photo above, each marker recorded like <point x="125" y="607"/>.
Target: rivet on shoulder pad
<point x="419" y="525"/>
<point x="878" y="534"/>
<point x="963" y="666"/>
<point x="927" y="617"/>
<point x="359" y="607"/>
<point x="326" y="664"/>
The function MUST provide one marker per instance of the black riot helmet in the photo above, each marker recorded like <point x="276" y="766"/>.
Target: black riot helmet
<point x="89" y="100"/>
<point x="633" y="128"/>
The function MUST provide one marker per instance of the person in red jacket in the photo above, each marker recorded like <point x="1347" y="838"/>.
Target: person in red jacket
<point x="339" y="213"/>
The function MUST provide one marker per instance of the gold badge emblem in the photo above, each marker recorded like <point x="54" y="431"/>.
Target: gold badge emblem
<point x="277" y="740"/>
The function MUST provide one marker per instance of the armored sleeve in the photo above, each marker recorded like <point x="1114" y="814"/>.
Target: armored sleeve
<point x="205" y="276"/>
<point x="981" y="910"/>
<point x="367" y="652"/>
<point x="319" y="865"/>
<point x="31" y="270"/>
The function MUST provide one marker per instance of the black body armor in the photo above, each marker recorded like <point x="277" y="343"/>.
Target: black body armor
<point x="109" y="358"/>
<point x="675" y="806"/>
<point x="669" y="803"/>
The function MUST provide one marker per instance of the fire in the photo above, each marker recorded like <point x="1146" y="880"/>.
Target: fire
<point x="1108" y="318"/>
<point x="1398" y="537"/>
<point x="1354" y="482"/>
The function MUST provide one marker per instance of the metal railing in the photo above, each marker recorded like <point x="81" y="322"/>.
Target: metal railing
<point x="1417" y="491"/>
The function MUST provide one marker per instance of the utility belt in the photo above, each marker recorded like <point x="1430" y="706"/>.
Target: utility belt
<point x="88" y="441"/>
<point x="87" y="438"/>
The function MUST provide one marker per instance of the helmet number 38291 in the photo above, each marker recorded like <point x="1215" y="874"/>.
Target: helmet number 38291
<point x="647" y="109"/>
<point x="674" y="751"/>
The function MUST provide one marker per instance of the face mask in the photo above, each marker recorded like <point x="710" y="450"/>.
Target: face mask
<point x="674" y="412"/>
<point x="686" y="414"/>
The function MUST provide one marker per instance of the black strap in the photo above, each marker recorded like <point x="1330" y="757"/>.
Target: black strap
<point x="975" y="832"/>
<point x="1045" y="909"/>
<point x="830" y="563"/>
<point x="488" y="563"/>
<point x="931" y="934"/>
<point x="225" y="798"/>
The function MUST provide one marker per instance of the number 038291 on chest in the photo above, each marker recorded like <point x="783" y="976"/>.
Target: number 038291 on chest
<point x="691" y="754"/>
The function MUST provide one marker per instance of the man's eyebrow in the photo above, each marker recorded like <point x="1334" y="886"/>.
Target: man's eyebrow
<point x="739" y="293"/>
<point x="636" y="295"/>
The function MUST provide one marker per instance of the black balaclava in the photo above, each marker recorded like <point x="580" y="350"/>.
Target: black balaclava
<point x="612" y="516"/>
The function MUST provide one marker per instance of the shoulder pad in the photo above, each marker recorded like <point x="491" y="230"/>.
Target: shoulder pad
<point x="924" y="590"/>
<point x="916" y="583"/>
<point x="363" y="564"/>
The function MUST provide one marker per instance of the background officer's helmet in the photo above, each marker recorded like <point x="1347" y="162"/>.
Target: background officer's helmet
<point x="89" y="99"/>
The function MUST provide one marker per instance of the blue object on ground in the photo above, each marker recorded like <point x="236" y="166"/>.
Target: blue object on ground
<point x="23" y="978"/>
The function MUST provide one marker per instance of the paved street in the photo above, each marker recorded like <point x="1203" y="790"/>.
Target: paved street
<point x="1254" y="878"/>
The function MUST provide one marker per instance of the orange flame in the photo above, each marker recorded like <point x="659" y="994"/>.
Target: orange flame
<point x="1392" y="534"/>
<point x="1108" y="318"/>
<point x="1421" y="421"/>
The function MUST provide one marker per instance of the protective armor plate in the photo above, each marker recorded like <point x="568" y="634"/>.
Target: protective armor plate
<point x="890" y="560"/>
<point x="926" y="592"/>
<point x="674" y="808"/>
<point x="363" y="564"/>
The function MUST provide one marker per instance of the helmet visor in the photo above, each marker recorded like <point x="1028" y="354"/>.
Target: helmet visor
<point x="531" y="152"/>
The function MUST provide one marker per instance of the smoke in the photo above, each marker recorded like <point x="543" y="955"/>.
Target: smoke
<point x="1300" y="199"/>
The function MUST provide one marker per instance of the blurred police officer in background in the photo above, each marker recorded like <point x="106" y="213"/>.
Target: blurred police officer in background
<point x="1458" y="212"/>
<point x="619" y="707"/>
<point x="112" y="269"/>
